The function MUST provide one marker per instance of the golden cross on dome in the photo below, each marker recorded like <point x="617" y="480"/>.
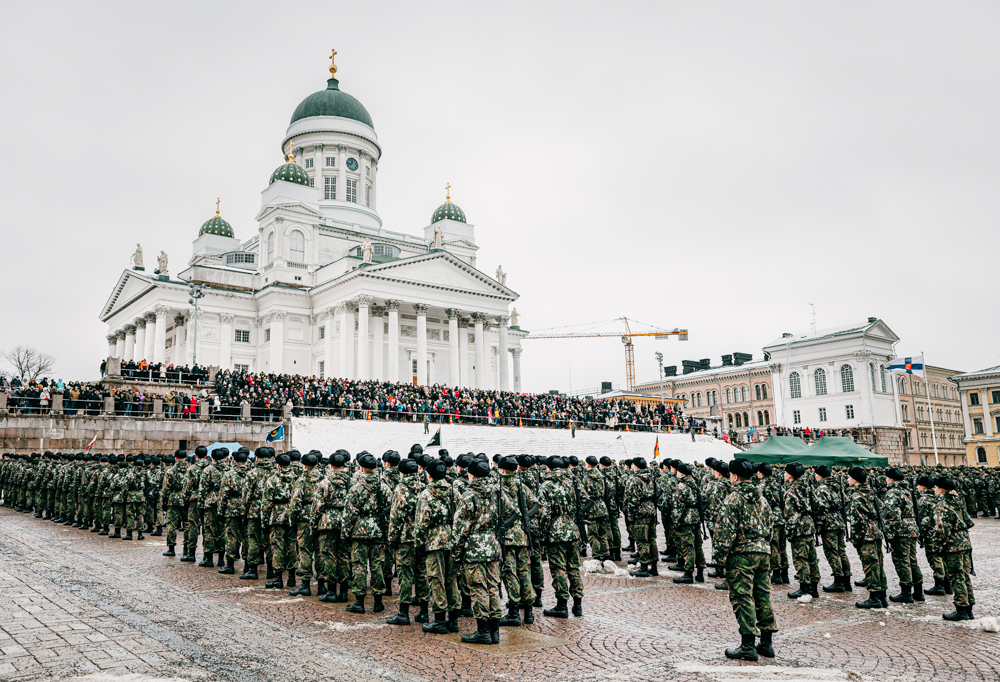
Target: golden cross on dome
<point x="291" y="152"/>
<point x="217" y="200"/>
<point x="447" y="195"/>
<point x="333" y="67"/>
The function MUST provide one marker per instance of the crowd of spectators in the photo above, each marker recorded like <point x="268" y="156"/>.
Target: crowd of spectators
<point x="83" y="398"/>
<point x="161" y="372"/>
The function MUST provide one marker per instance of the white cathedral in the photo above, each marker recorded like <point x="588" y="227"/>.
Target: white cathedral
<point x="322" y="289"/>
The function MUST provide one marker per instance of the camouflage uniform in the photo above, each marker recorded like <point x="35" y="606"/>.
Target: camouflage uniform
<point x="742" y="539"/>
<point x="362" y="523"/>
<point x="865" y="535"/>
<point x="772" y="488"/>
<point x="402" y="516"/>
<point x="276" y="500"/>
<point x="475" y="532"/>
<point x="925" y="509"/>
<point x="901" y="527"/>
<point x="531" y="478"/>
<point x="830" y="516"/>
<point x="599" y="532"/>
<point x="302" y="497"/>
<point x="432" y="535"/>
<point x="690" y="552"/>
<point x="801" y="530"/>
<point x="558" y="530"/>
<point x="208" y="492"/>
<point x="610" y="474"/>
<point x="233" y="511"/>
<point x="640" y="507"/>
<point x="948" y="535"/>
<point x="332" y="548"/>
<point x="516" y="570"/>
<point x="135" y="496"/>
<point x="155" y="506"/>
<point x="119" y="494"/>
<point x="174" y="499"/>
<point x="192" y="480"/>
<point x="258" y="533"/>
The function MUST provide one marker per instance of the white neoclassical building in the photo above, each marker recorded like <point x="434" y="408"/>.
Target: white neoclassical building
<point x="322" y="288"/>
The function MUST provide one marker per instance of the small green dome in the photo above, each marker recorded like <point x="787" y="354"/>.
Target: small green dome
<point x="290" y="172"/>
<point x="450" y="211"/>
<point x="217" y="226"/>
<point x="332" y="102"/>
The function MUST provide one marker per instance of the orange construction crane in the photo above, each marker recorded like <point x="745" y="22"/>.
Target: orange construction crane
<point x="681" y="334"/>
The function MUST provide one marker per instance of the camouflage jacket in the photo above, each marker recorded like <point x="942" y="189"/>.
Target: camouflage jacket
<point x="192" y="482"/>
<point x="208" y="486"/>
<point x="102" y="489"/>
<point x="862" y="516"/>
<point x="361" y="512"/>
<point x="303" y="491"/>
<point x="403" y="512"/>
<point x="826" y="499"/>
<point x="685" y="507"/>
<point x="798" y="509"/>
<point x="135" y="485"/>
<point x="276" y="498"/>
<point x="744" y="523"/>
<point x="772" y="488"/>
<point x="667" y="491"/>
<point x="610" y="476"/>
<point x="231" y="491"/>
<point x="173" y="485"/>
<point x="434" y="516"/>
<point x="253" y="492"/>
<point x="948" y="531"/>
<point x="556" y="522"/>
<point x="329" y="499"/>
<point x="117" y="484"/>
<point x="925" y="511"/>
<point x="154" y="483"/>
<point x="592" y="490"/>
<point x="639" y="496"/>
<point x="476" y="522"/>
<point x="515" y="535"/>
<point x="720" y="492"/>
<point x="897" y="512"/>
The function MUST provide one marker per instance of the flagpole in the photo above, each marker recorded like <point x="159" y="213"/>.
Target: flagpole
<point x="930" y="412"/>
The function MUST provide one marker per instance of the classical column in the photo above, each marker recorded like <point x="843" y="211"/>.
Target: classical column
<point x="364" y="359"/>
<point x="181" y="345"/>
<point x="149" y="352"/>
<point x="159" y="333"/>
<point x="516" y="353"/>
<point x="318" y="170"/>
<point x="347" y="340"/>
<point x="342" y="172"/>
<point x="987" y="417"/>
<point x="421" y="310"/>
<point x="966" y="419"/>
<point x="453" y="365"/>
<point x="378" y="336"/>
<point x="138" y="352"/>
<point x="277" y="359"/>
<point x="362" y="179"/>
<point x="120" y="344"/>
<point x="329" y="323"/>
<point x="226" y="341"/>
<point x="463" y="355"/>
<point x="392" y="306"/>
<point x="504" y="373"/>
<point x="374" y="165"/>
<point x="478" y="319"/>
<point x="129" y="342"/>
<point x="112" y="345"/>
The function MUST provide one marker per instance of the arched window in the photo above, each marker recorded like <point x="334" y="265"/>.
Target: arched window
<point x="820" y="376"/>
<point x="730" y="421"/>
<point x="981" y="455"/>
<point x="767" y="417"/>
<point x="795" y="385"/>
<point x="739" y="421"/>
<point x="699" y="400"/>
<point x="760" y="418"/>
<point x="937" y="394"/>
<point x="902" y="386"/>
<point x="297" y="247"/>
<point x="746" y="419"/>
<point x="270" y="248"/>
<point x="940" y="415"/>
<point x="715" y="397"/>
<point x="763" y="389"/>
<point x="881" y="373"/>
<point x="847" y="379"/>
<point x="920" y="412"/>
<point x="743" y="394"/>
<point x="871" y="370"/>
<point x="757" y="391"/>
<point x="923" y="439"/>
<point x="729" y="397"/>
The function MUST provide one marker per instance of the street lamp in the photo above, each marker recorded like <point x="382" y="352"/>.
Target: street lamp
<point x="195" y="291"/>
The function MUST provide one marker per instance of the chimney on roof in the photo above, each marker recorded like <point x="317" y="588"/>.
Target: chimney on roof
<point x="691" y="366"/>
<point x="872" y="320"/>
<point x="605" y="387"/>
<point x="706" y="363"/>
<point x="670" y="371"/>
<point x="727" y="360"/>
<point x="742" y="358"/>
<point x="786" y="335"/>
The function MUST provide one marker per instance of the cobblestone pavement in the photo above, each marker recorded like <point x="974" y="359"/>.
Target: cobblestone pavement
<point x="73" y="604"/>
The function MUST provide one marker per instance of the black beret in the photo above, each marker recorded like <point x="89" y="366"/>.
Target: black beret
<point x="858" y="474"/>
<point x="442" y="452"/>
<point x="283" y="460"/>
<point x="925" y="481"/>
<point x="944" y="483"/>
<point x="639" y="462"/>
<point x="240" y="456"/>
<point x="479" y="468"/>
<point x="295" y="455"/>
<point x="526" y="461"/>
<point x="894" y="473"/>
<point x="627" y="462"/>
<point x="710" y="462"/>
<point x="417" y="448"/>
<point x="138" y="461"/>
<point x="181" y="454"/>
<point x="338" y="459"/>
<point x="391" y="458"/>
<point x="367" y="461"/>
<point x="425" y="459"/>
<point x="554" y="462"/>
<point x="742" y="468"/>
<point x="496" y="458"/>
<point x="592" y="461"/>
<point x="764" y="468"/>
<point x="606" y="461"/>
<point x="540" y="459"/>
<point x="682" y="468"/>
<point x="573" y="460"/>
<point x="437" y="470"/>
<point x="448" y="461"/>
<point x="408" y="466"/>
<point x="508" y="464"/>
<point x="463" y="460"/>
<point x="200" y="451"/>
<point x="722" y="468"/>
<point x="795" y="469"/>
<point x="824" y="471"/>
<point x="310" y="460"/>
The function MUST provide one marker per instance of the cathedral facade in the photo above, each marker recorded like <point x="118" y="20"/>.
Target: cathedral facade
<point x="323" y="288"/>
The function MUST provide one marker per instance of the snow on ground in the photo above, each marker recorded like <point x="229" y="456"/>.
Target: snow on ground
<point x="328" y="434"/>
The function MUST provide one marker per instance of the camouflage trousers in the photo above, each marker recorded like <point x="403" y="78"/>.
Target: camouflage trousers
<point x="118" y="514"/>
<point x="442" y="581"/>
<point x="872" y="561"/>
<point x="175" y="521"/>
<point x="616" y="534"/>
<point x="333" y="556"/>
<point x="306" y="542"/>
<point x="103" y="511"/>
<point x="134" y="516"/>
<point x="193" y="526"/>
<point x="564" y="565"/>
<point x="904" y="560"/>
<point x="599" y="534"/>
<point x="258" y="542"/>
<point x="956" y="571"/>
<point x="409" y="566"/>
<point x="154" y="514"/>
<point x="690" y="552"/>
<point x="367" y="556"/>
<point x="779" y="548"/>
<point x="483" y="581"/>
<point x="804" y="559"/>
<point x="750" y="592"/>
<point x="212" y="539"/>
<point x="835" y="551"/>
<point x="644" y="534"/>
<point x="517" y="575"/>
<point x="934" y="561"/>
<point x="537" y="572"/>
<point x="236" y="538"/>
<point x="282" y="547"/>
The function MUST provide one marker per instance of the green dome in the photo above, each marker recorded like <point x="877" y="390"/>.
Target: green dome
<point x="216" y="226"/>
<point x="290" y="172"/>
<point x="332" y="102"/>
<point x="450" y="211"/>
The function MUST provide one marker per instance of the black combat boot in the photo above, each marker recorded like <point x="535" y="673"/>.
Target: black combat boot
<point x="837" y="585"/>
<point x="378" y="607"/>
<point x="320" y="587"/>
<point x="128" y="535"/>
<point x="401" y="618"/>
<point x="481" y="635"/>
<point x="724" y="586"/>
<point x="765" y="647"/>
<point x="937" y="590"/>
<point x="538" y="599"/>
<point x="117" y="535"/>
<point x="438" y="626"/>
<point x="905" y="595"/>
<point x="291" y="578"/>
<point x="358" y="606"/>
<point x="452" y="622"/>
<point x="861" y="583"/>
<point x="558" y="611"/>
<point x="881" y="597"/>
<point x="494" y="630"/>
<point x="275" y="583"/>
<point x="303" y="589"/>
<point x="140" y="536"/>
<point x="652" y="570"/>
<point x="221" y="560"/>
<point x="513" y="617"/>
<point x="157" y="533"/>
<point x="96" y="528"/>
<point x="642" y="572"/>
<point x="188" y="556"/>
<point x="631" y="546"/>
<point x="616" y="554"/>
<point x="784" y="576"/>
<point x="68" y="521"/>
<point x="207" y="561"/>
<point x="812" y="590"/>
<point x="745" y="651"/>
<point x="801" y="592"/>
<point x="947" y="587"/>
<point x="633" y="560"/>
<point x="103" y="531"/>
<point x="968" y="612"/>
<point x="331" y="596"/>
<point x="78" y="524"/>
<point x="529" y="615"/>
<point x="918" y="592"/>
<point x="270" y="572"/>
<point x="715" y="573"/>
<point x="685" y="579"/>
<point x="956" y="615"/>
<point x="578" y="607"/>
<point x="422" y="617"/>
<point x="699" y="577"/>
<point x="170" y="551"/>
<point x="776" y="576"/>
<point x="873" y="602"/>
<point x="249" y="571"/>
<point x="466" y="610"/>
<point x="343" y="598"/>
<point x="228" y="569"/>
<point x="846" y="583"/>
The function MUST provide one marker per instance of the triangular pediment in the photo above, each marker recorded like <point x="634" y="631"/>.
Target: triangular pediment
<point x="130" y="285"/>
<point x="301" y="211"/>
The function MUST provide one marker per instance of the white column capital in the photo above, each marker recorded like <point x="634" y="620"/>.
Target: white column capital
<point x="502" y="320"/>
<point x="452" y="313"/>
<point x="129" y="329"/>
<point x="318" y="146"/>
<point x="342" y="148"/>
<point x="421" y="309"/>
<point x="392" y="304"/>
<point x="112" y="338"/>
<point x="363" y="300"/>
<point x="161" y="311"/>
<point x="516" y="352"/>
<point x="479" y="318"/>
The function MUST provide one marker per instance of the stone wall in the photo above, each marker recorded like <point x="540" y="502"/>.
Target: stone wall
<point x="891" y="442"/>
<point x="27" y="434"/>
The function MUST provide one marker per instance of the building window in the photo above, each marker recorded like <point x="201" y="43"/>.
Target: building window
<point x="796" y="417"/>
<point x="951" y="440"/>
<point x="739" y="421"/>
<point x="850" y="411"/>
<point x="330" y="188"/>
<point x="974" y="398"/>
<point x="981" y="455"/>
<point x="822" y="414"/>
<point x="757" y="391"/>
<point x="240" y="257"/>
<point x="995" y="397"/>
<point x="937" y="389"/>
<point x="923" y="439"/>
<point x="414" y="368"/>
<point x="241" y="369"/>
<point x="242" y="336"/>
<point x="916" y="387"/>
<point x="322" y="368"/>
<point x="368" y="171"/>
<point x="881" y="373"/>
<point x="715" y="397"/>
<point x="996" y="420"/>
<point x="920" y="413"/>
<point x="322" y="332"/>
<point x="906" y="412"/>
<point x="795" y="386"/>
<point x="743" y="394"/>
<point x="297" y="247"/>
<point x="309" y="163"/>
<point x="847" y="378"/>
<point x="270" y="248"/>
<point x="729" y="398"/>
<point x="267" y="335"/>
<point x="730" y="421"/>
<point x="820" y="377"/>
<point x="331" y="162"/>
<point x="698" y="397"/>
<point x="902" y="386"/>
<point x="368" y="195"/>
<point x="352" y="191"/>
<point x="977" y="426"/>
<point x="763" y="390"/>
<point x="760" y="418"/>
<point x="940" y="415"/>
<point x="312" y="181"/>
<point x="767" y="417"/>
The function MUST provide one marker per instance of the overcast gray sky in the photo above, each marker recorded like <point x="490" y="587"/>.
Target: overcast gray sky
<point x="715" y="166"/>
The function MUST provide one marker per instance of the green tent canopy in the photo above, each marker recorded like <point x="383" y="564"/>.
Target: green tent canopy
<point x="829" y="450"/>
